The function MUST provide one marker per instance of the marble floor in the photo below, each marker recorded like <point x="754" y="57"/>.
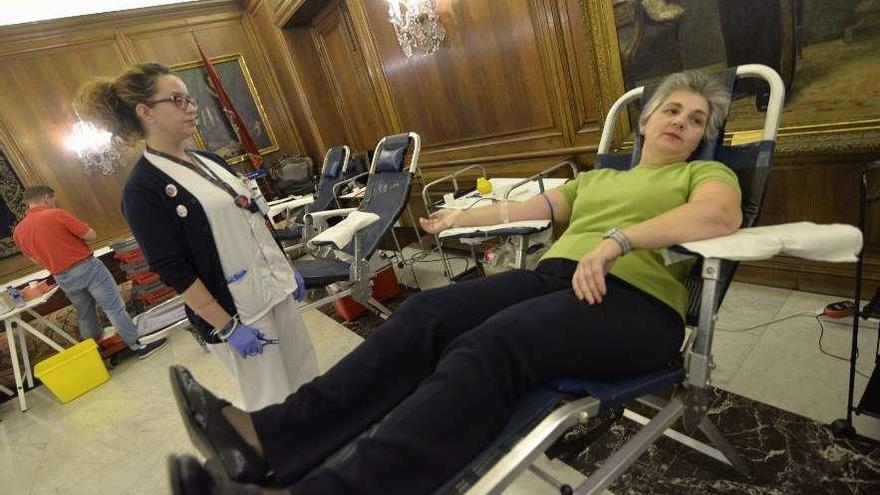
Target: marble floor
<point x="115" y="438"/>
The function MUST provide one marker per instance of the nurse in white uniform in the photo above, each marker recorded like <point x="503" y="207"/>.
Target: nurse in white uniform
<point x="202" y="230"/>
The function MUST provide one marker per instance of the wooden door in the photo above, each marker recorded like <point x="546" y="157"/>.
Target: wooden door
<point x="344" y="68"/>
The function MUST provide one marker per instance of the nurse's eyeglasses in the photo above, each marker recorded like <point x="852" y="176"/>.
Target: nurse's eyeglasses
<point x="180" y="101"/>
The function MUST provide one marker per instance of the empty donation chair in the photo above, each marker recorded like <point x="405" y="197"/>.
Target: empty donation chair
<point x="342" y="252"/>
<point x="332" y="172"/>
<point x="539" y="422"/>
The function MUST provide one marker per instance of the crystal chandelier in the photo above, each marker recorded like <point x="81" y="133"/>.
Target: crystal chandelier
<point x="94" y="147"/>
<point x="417" y="25"/>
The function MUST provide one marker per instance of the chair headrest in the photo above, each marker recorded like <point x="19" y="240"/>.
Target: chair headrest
<point x="392" y="153"/>
<point x="335" y="161"/>
<point x="708" y="149"/>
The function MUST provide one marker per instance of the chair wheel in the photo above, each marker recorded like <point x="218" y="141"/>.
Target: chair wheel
<point x="842" y="428"/>
<point x="566" y="490"/>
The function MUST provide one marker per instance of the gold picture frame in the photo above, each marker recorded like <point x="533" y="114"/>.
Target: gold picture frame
<point x="214" y="132"/>
<point x="831" y="102"/>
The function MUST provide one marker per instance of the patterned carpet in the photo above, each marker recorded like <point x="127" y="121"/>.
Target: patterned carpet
<point x="787" y="453"/>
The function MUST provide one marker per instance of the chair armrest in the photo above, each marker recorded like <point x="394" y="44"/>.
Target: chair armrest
<point x="341" y="234"/>
<point x="836" y="243"/>
<point x="317" y="221"/>
<point x="322" y="215"/>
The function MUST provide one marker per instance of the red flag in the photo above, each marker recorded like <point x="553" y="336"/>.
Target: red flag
<point x="237" y="124"/>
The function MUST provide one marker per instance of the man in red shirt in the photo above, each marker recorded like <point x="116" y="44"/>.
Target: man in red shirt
<point x="56" y="240"/>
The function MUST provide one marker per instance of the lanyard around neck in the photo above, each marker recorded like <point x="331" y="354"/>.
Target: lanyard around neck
<point x="199" y="167"/>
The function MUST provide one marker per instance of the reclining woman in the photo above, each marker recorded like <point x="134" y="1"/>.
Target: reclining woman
<point x="442" y="376"/>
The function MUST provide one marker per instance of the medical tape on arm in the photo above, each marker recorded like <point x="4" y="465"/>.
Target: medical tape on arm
<point x="550" y="207"/>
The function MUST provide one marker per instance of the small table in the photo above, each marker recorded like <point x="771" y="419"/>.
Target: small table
<point x="287" y="205"/>
<point x="12" y="321"/>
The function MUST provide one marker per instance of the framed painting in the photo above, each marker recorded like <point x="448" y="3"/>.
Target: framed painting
<point x="827" y="52"/>
<point x="12" y="207"/>
<point x="214" y="132"/>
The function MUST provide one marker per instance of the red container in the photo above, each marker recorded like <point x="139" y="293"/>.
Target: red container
<point x="144" y="278"/>
<point x="159" y="295"/>
<point x="132" y="256"/>
<point x="348" y="308"/>
<point x="385" y="286"/>
<point x="111" y="345"/>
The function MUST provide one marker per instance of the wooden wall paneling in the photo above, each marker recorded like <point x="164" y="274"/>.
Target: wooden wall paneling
<point x="53" y="33"/>
<point x="487" y="83"/>
<point x="605" y="52"/>
<point x="552" y="46"/>
<point x="581" y="75"/>
<point x="821" y="189"/>
<point x="174" y="46"/>
<point x="345" y="70"/>
<point x="320" y="109"/>
<point x="288" y="76"/>
<point x="373" y="61"/>
<point x="35" y="105"/>
<point x="266" y="66"/>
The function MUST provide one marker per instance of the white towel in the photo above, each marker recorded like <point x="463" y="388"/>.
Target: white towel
<point x="836" y="243"/>
<point x="341" y="233"/>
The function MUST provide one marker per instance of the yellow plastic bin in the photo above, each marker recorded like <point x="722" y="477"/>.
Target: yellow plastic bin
<point x="73" y="372"/>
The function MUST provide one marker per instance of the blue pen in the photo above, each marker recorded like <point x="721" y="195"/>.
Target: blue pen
<point x="236" y="276"/>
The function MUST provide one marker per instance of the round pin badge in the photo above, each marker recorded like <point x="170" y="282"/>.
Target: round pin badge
<point x="171" y="190"/>
<point x="182" y="211"/>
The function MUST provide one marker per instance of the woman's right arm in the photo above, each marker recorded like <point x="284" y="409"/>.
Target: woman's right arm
<point x="536" y="208"/>
<point x="200" y="300"/>
<point x="164" y="245"/>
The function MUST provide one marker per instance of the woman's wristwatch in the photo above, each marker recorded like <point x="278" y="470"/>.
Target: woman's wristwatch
<point x="620" y="238"/>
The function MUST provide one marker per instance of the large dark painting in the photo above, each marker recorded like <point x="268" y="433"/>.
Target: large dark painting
<point x="11" y="206"/>
<point x="214" y="130"/>
<point x="827" y="52"/>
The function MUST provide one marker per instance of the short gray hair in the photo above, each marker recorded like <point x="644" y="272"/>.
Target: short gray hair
<point x="698" y="82"/>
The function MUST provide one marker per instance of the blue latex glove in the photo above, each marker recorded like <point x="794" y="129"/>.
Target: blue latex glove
<point x="300" y="292"/>
<point x="247" y="340"/>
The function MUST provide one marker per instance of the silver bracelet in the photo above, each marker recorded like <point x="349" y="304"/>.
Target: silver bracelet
<point x="620" y="238"/>
<point x="224" y="333"/>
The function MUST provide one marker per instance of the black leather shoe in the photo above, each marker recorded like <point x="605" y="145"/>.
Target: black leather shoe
<point x="211" y="433"/>
<point x="189" y="477"/>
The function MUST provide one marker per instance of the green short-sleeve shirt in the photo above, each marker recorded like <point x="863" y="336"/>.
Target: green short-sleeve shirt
<point x="605" y="198"/>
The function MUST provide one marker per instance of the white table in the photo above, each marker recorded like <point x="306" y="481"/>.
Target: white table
<point x="287" y="205"/>
<point x="12" y="324"/>
<point x="39" y="275"/>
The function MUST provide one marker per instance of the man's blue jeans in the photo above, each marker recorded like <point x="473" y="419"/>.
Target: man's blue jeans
<point x="89" y="283"/>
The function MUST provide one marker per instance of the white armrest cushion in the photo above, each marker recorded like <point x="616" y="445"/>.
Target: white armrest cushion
<point x="836" y="243"/>
<point x="320" y="215"/>
<point x="341" y="233"/>
<point x="289" y="204"/>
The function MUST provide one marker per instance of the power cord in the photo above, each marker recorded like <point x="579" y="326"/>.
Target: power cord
<point x="811" y="314"/>
<point x="419" y="257"/>
<point x="764" y="324"/>
<point x="835" y="356"/>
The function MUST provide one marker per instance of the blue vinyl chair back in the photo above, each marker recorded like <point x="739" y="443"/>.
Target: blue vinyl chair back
<point x="333" y="171"/>
<point x="387" y="192"/>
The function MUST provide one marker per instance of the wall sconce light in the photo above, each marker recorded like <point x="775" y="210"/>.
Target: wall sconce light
<point x="94" y="147"/>
<point x="417" y="26"/>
